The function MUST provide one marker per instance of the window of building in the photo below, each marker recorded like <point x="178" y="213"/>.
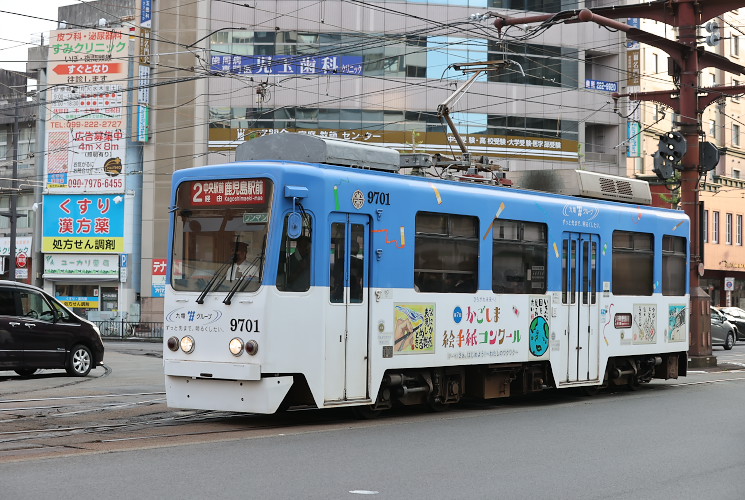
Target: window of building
<point x="715" y="228"/>
<point x="738" y="230"/>
<point x="673" y="265"/>
<point x="735" y="45"/>
<point x="446" y="253"/>
<point x="656" y="63"/>
<point x="713" y="129"/>
<point x="519" y="258"/>
<point x="633" y="263"/>
<point x="736" y="174"/>
<point x="659" y="114"/>
<point x="728" y="229"/>
<point x="705" y="226"/>
<point x="530" y="5"/>
<point x="735" y="83"/>
<point x="546" y="65"/>
<point x="736" y="134"/>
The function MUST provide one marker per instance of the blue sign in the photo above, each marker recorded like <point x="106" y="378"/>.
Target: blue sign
<point x="83" y="223"/>
<point x="288" y="65"/>
<point x="146" y="13"/>
<point x="601" y="85"/>
<point x="634" y="23"/>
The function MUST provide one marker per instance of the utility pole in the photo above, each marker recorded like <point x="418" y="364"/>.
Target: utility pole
<point x="12" y="213"/>
<point x="688" y="100"/>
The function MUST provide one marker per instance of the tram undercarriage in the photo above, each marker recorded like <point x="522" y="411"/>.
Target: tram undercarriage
<point x="438" y="387"/>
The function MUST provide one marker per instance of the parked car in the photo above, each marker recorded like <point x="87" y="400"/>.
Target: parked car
<point x="722" y="331"/>
<point x="736" y="316"/>
<point x="37" y="331"/>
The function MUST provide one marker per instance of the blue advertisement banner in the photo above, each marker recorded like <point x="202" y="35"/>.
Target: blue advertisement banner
<point x="288" y="65"/>
<point x="83" y="223"/>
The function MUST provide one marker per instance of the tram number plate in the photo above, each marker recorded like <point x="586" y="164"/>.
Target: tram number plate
<point x="378" y="198"/>
<point x="244" y="325"/>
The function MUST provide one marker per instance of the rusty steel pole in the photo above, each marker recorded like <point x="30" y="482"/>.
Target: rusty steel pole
<point x="700" y="327"/>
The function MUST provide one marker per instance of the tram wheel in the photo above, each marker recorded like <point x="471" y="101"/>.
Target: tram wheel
<point x="366" y="412"/>
<point x="590" y="390"/>
<point x="634" y="384"/>
<point x="437" y="406"/>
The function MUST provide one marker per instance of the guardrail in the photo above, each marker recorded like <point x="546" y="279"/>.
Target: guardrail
<point x="130" y="329"/>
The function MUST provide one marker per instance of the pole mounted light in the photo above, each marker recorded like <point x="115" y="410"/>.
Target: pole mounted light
<point x="668" y="157"/>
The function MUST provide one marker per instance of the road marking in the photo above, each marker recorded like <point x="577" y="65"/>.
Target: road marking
<point x="363" y="492"/>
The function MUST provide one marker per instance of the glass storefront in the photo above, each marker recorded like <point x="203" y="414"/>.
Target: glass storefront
<point x="91" y="301"/>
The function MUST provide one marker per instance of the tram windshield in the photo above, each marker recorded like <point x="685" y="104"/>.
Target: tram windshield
<point x="219" y="240"/>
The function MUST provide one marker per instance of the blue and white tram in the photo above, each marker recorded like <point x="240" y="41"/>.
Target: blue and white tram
<point x="367" y="287"/>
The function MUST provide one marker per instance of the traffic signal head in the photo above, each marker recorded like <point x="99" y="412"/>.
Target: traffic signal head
<point x="663" y="167"/>
<point x="673" y="146"/>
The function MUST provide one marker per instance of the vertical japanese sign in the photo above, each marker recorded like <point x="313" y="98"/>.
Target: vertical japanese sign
<point x="146" y="13"/>
<point x="83" y="224"/>
<point x="634" y="143"/>
<point x="159" y="277"/>
<point x="633" y="68"/>
<point x="86" y="118"/>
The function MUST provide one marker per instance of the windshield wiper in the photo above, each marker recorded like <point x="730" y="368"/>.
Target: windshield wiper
<point x="220" y="274"/>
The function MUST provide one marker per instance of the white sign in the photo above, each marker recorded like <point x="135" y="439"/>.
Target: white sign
<point x="23" y="245"/>
<point x="81" y="265"/>
<point x="729" y="284"/>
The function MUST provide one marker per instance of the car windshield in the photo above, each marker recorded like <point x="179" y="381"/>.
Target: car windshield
<point x="220" y="234"/>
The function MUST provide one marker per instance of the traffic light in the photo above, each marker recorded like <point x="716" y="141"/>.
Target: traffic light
<point x="672" y="147"/>
<point x="662" y="166"/>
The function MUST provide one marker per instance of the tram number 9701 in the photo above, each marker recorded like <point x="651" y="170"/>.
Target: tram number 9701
<point x="378" y="198"/>
<point x="244" y="325"/>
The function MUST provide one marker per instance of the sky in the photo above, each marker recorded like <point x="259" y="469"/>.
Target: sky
<point x="18" y="31"/>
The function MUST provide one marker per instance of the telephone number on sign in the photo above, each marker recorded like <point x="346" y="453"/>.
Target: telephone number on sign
<point x="95" y="183"/>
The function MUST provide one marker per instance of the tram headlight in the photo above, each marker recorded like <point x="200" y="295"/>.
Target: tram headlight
<point x="252" y="347"/>
<point x="173" y="344"/>
<point x="236" y="346"/>
<point x="187" y="344"/>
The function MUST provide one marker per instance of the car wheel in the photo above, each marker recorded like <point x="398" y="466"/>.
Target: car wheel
<point x="80" y="361"/>
<point x="730" y="341"/>
<point x="26" y="372"/>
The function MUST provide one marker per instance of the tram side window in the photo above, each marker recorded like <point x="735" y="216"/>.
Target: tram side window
<point x="294" y="271"/>
<point x="446" y="253"/>
<point x="633" y="263"/>
<point x="673" y="265"/>
<point x="520" y="253"/>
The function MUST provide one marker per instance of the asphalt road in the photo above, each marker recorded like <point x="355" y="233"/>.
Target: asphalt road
<point x="677" y="439"/>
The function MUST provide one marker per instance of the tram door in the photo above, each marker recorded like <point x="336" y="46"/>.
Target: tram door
<point x="347" y="325"/>
<point x="579" y="297"/>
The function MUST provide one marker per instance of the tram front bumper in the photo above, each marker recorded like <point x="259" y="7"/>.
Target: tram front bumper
<point x="223" y="386"/>
<point x="247" y="396"/>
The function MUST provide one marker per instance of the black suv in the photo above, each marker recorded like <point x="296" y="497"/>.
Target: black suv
<point x="36" y="331"/>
